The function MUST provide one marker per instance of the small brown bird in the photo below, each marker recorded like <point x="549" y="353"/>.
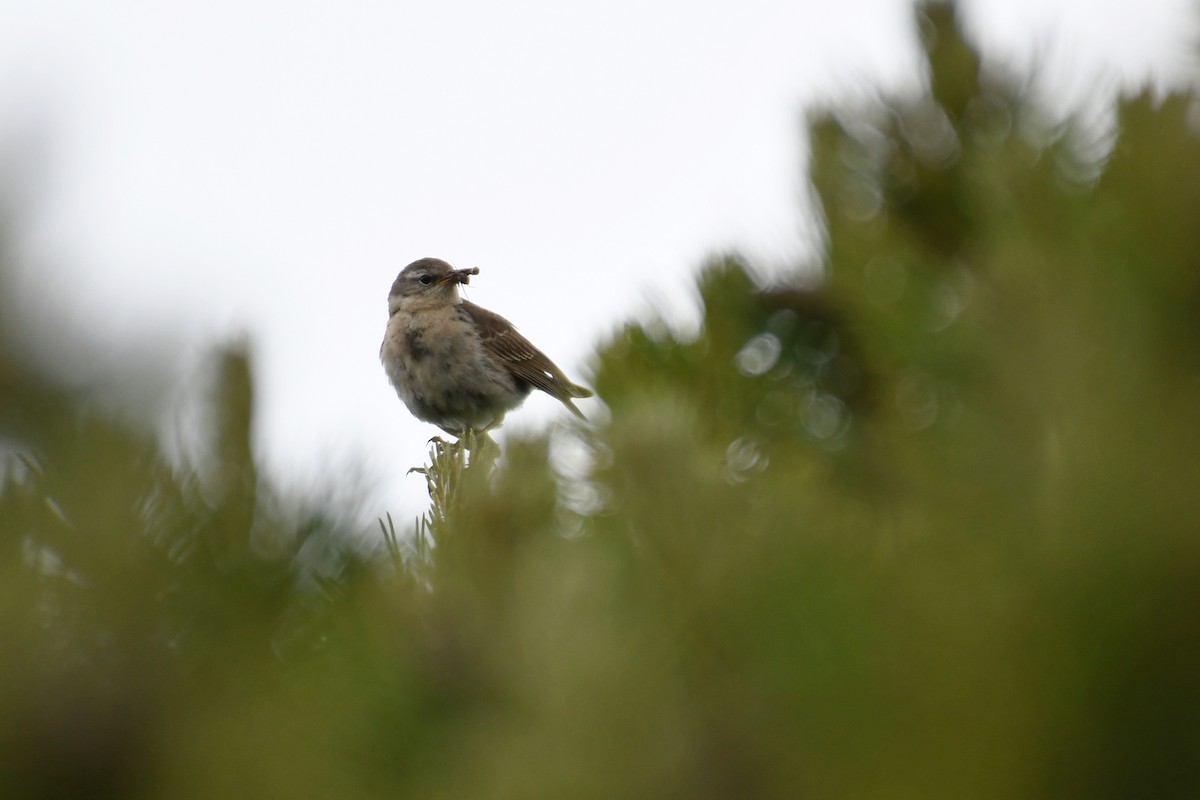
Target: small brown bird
<point x="455" y="364"/>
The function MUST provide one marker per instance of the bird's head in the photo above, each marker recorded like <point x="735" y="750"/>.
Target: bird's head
<point x="427" y="282"/>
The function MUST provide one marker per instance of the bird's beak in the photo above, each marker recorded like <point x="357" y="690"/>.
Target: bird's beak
<point x="462" y="276"/>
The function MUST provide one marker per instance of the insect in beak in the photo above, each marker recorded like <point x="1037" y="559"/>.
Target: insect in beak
<point x="462" y="276"/>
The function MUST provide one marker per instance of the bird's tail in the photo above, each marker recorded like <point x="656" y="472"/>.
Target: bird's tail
<point x="574" y="390"/>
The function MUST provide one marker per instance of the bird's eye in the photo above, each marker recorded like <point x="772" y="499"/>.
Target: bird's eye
<point x="426" y="279"/>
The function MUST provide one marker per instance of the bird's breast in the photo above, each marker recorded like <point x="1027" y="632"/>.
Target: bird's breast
<point x="434" y="350"/>
<point x="433" y="339"/>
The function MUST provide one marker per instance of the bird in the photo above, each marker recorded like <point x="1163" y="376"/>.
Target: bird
<point x="455" y="364"/>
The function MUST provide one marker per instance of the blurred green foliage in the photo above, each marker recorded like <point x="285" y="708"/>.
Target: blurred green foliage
<point x="926" y="527"/>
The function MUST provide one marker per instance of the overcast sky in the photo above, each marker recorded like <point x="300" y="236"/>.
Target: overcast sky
<point x="208" y="168"/>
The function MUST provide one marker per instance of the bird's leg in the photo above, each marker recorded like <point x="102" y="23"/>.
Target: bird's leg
<point x="480" y="446"/>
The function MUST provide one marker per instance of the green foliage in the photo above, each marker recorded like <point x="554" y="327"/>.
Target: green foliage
<point x="928" y="528"/>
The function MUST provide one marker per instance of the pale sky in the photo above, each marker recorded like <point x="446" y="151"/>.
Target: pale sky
<point x="202" y="169"/>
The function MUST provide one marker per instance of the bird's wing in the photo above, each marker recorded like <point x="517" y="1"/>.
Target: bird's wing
<point x="523" y="361"/>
